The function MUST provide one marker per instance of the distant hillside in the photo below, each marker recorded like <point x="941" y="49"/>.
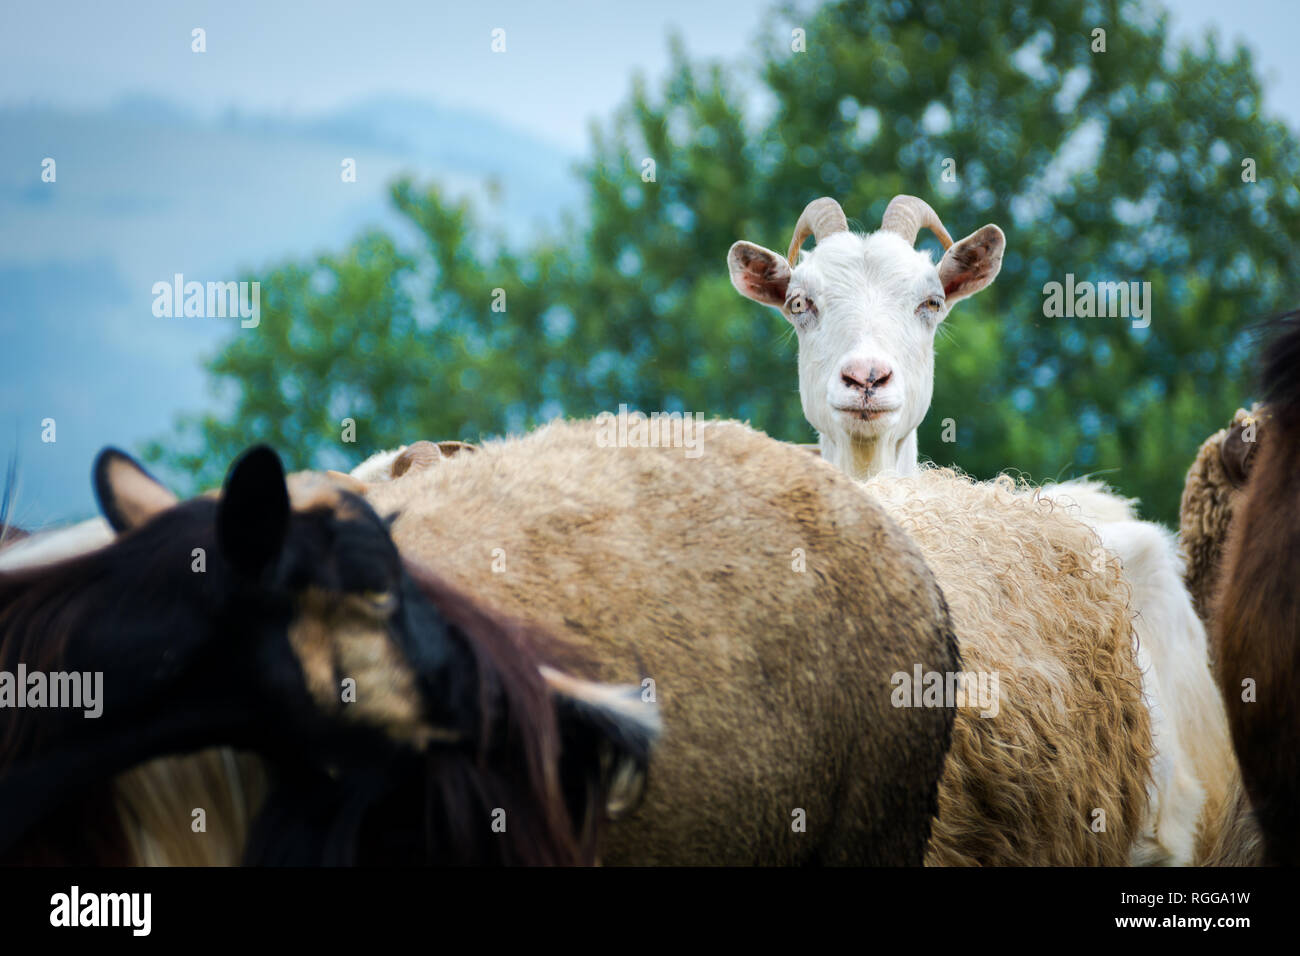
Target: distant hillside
<point x="147" y="189"/>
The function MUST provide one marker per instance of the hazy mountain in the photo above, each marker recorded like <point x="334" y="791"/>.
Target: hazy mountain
<point x="147" y="189"/>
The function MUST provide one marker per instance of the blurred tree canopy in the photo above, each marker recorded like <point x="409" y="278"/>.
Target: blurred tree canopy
<point x="1123" y="165"/>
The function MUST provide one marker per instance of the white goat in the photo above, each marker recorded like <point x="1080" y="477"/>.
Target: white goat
<point x="866" y="309"/>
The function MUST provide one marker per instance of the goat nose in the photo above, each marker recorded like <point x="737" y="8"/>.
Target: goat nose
<point x="864" y="376"/>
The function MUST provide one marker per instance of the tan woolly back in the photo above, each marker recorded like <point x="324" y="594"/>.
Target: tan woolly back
<point x="1035" y="599"/>
<point x="768" y="600"/>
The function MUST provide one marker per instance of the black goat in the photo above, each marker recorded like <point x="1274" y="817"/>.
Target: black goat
<point x="278" y="618"/>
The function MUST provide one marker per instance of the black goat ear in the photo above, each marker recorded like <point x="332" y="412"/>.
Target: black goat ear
<point x="253" y="517"/>
<point x="128" y="495"/>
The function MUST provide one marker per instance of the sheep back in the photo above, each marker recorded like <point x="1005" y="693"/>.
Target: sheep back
<point x="1035" y="599"/>
<point x="769" y="601"/>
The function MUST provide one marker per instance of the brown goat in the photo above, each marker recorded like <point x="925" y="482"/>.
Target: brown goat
<point x="1212" y="494"/>
<point x="767" y="599"/>
<point x="1257" y="615"/>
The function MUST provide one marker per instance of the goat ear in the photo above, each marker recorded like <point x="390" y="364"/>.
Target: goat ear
<point x="759" y="274"/>
<point x="417" y="457"/>
<point x="421" y="454"/>
<point x="608" y="732"/>
<point x="128" y="495"/>
<point x="1237" y="453"/>
<point x="972" y="263"/>
<point x="253" y="516"/>
<point x="451" y="449"/>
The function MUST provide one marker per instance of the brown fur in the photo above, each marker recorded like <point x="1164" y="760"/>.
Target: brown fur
<point x="1030" y="602"/>
<point x="1257" y="615"/>
<point x="1213" y="492"/>
<point x="774" y="683"/>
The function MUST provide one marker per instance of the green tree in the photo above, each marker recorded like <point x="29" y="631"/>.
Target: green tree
<point x="1122" y="165"/>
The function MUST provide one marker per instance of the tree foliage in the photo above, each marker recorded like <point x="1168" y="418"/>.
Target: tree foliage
<point x="1122" y="165"/>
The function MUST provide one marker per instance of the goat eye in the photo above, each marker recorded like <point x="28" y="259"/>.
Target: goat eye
<point x="799" y="304"/>
<point x="932" y="304"/>
<point x="381" y="600"/>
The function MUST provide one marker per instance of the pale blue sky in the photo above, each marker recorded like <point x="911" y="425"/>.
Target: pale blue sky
<point x="566" y="60"/>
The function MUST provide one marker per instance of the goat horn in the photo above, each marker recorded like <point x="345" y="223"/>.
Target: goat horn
<point x="820" y="218"/>
<point x="907" y="215"/>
